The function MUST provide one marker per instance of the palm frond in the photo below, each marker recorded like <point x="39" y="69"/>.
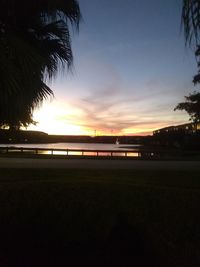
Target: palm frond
<point x="191" y="20"/>
<point x="35" y="44"/>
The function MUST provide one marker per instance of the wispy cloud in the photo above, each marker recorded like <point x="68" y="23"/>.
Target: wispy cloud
<point x="109" y="111"/>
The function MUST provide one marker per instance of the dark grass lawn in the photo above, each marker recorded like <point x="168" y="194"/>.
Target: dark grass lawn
<point x="99" y="218"/>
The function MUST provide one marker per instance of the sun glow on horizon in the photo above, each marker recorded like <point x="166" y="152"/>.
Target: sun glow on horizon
<point x="62" y="118"/>
<point x="56" y="119"/>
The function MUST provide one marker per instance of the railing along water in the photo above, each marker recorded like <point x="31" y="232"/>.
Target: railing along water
<point x="95" y="153"/>
<point x="70" y="152"/>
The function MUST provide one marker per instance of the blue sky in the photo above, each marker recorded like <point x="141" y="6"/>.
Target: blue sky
<point x="131" y="68"/>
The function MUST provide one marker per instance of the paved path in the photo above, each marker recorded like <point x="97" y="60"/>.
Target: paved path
<point x="98" y="164"/>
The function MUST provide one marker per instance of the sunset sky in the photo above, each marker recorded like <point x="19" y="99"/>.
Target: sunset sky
<point x="131" y="68"/>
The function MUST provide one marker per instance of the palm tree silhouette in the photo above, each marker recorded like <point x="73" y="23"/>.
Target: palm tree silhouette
<point x="35" y="44"/>
<point x="191" y="20"/>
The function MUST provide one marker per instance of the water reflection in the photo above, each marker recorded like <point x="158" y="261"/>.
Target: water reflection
<point x="65" y="149"/>
<point x="90" y="153"/>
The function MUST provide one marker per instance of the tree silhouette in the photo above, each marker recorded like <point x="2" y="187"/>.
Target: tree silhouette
<point x="191" y="106"/>
<point x="191" y="20"/>
<point x="191" y="25"/>
<point x="35" y="44"/>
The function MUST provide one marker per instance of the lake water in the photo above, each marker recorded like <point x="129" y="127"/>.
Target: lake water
<point x="89" y="146"/>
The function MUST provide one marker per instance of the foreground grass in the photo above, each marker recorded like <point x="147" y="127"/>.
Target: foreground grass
<point x="99" y="218"/>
